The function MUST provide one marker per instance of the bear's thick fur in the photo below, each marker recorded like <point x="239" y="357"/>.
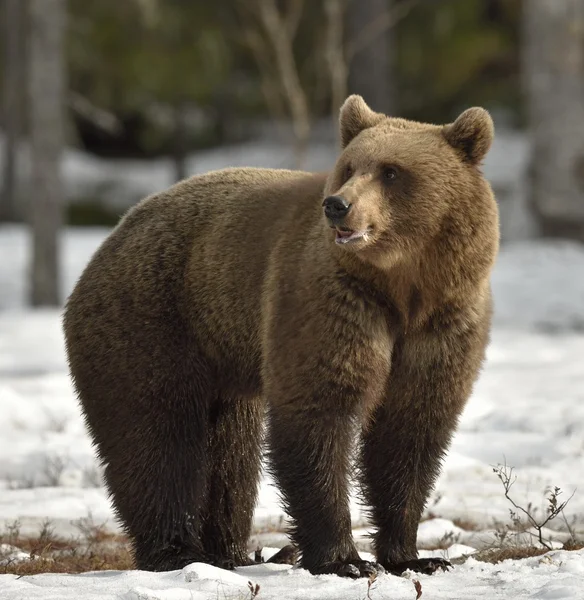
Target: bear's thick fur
<point x="236" y="293"/>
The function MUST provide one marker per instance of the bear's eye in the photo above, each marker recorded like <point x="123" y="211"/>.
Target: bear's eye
<point x="348" y="172"/>
<point x="389" y="173"/>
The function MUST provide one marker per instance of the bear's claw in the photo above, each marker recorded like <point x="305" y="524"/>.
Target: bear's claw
<point x="353" y="569"/>
<point x="427" y="566"/>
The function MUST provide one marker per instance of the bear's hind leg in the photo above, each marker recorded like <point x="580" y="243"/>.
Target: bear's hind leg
<point x="154" y="449"/>
<point x="235" y="443"/>
<point x="159" y="496"/>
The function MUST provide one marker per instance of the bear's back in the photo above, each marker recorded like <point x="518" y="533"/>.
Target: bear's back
<point x="194" y="257"/>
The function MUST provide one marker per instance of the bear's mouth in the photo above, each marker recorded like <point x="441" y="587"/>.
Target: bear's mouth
<point x="344" y="235"/>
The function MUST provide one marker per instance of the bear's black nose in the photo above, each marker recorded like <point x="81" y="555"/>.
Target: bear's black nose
<point x="336" y="207"/>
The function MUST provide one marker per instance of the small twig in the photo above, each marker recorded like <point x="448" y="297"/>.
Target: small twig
<point x="505" y="475"/>
<point x="254" y="590"/>
<point x="569" y="527"/>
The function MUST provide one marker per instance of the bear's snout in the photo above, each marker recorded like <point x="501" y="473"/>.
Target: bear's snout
<point x="336" y="208"/>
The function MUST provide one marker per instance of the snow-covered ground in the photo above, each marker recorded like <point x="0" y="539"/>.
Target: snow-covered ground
<point x="527" y="410"/>
<point x="554" y="576"/>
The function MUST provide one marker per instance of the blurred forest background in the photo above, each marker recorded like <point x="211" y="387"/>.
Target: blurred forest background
<point x="105" y="101"/>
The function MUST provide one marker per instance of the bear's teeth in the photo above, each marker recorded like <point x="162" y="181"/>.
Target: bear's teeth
<point x="344" y="237"/>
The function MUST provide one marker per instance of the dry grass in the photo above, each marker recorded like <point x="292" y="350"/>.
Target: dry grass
<point x="573" y="545"/>
<point x="497" y="555"/>
<point x="94" y="549"/>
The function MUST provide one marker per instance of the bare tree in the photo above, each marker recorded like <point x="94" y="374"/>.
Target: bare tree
<point x="553" y="69"/>
<point x="270" y="28"/>
<point x="13" y="91"/>
<point x="46" y="90"/>
<point x="270" y="34"/>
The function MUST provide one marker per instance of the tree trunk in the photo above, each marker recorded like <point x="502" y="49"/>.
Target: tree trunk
<point x="553" y="69"/>
<point x="46" y="79"/>
<point x="13" y="92"/>
<point x="281" y="31"/>
<point x="370" y="64"/>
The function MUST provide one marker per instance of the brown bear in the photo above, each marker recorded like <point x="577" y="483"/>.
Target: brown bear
<point x="353" y="305"/>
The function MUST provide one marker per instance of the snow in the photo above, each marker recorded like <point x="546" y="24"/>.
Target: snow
<point x="556" y="575"/>
<point x="526" y="410"/>
<point x="11" y="553"/>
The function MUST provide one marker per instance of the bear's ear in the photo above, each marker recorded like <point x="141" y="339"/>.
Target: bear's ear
<point x="355" y="117"/>
<point x="472" y="133"/>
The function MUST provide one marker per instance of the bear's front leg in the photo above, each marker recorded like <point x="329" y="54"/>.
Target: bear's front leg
<point x="326" y="363"/>
<point x="310" y="445"/>
<point x="403" y="446"/>
<point x="321" y="381"/>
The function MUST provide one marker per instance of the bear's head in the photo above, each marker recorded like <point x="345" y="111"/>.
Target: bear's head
<point x="399" y="186"/>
